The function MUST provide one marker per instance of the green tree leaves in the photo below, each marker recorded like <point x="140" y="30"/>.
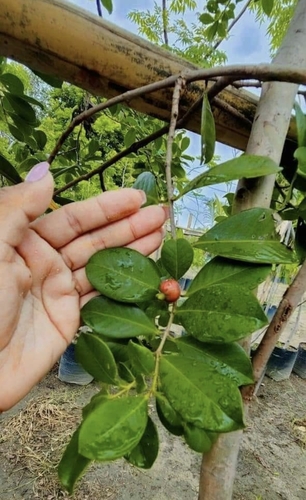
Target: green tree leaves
<point x="113" y="428"/>
<point x="221" y="313"/>
<point x="208" y="132"/>
<point x="248" y="236"/>
<point x="177" y="257"/>
<point x="123" y="274"/>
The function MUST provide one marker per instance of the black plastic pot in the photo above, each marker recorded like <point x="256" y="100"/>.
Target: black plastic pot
<point x="281" y="363"/>
<point x="300" y="363"/>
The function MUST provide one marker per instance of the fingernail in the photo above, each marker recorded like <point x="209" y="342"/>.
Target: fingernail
<point x="38" y="172"/>
<point x="143" y="195"/>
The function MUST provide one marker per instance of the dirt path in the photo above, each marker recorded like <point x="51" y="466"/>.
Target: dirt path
<point x="272" y="462"/>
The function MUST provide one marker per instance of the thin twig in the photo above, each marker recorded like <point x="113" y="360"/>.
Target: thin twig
<point x="233" y="111"/>
<point x="173" y="121"/>
<point x="164" y="17"/>
<point x="102" y="183"/>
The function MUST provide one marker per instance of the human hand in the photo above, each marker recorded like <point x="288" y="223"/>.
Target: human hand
<point x="43" y="283"/>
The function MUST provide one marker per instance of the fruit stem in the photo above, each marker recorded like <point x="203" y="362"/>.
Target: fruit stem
<point x="158" y="351"/>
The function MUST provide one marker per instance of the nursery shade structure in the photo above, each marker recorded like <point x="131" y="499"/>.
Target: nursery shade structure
<point x="59" y="39"/>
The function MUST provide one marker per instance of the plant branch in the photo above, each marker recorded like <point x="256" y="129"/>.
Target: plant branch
<point x="164" y="17"/>
<point x="173" y="122"/>
<point x="264" y="72"/>
<point x="290" y="301"/>
<point x="230" y="109"/>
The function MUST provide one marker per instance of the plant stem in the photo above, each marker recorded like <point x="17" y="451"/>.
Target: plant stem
<point x="159" y="350"/>
<point x="173" y="121"/>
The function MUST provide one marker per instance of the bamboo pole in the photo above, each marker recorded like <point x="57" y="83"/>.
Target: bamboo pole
<point x="59" y="39"/>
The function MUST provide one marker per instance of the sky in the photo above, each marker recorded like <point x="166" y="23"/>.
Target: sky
<point x="247" y="42"/>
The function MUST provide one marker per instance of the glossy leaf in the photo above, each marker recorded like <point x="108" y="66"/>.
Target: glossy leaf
<point x="170" y="419"/>
<point x="129" y="137"/>
<point x="141" y="358"/>
<point x="300" y="125"/>
<point x="108" y="4"/>
<point x="125" y="373"/>
<point x="300" y="155"/>
<point x="197" y="439"/>
<point x="267" y="6"/>
<point x="8" y="171"/>
<point x="16" y="133"/>
<point x="72" y="465"/>
<point x="208" y="131"/>
<point x="201" y="395"/>
<point x="248" y="166"/>
<point x="229" y="360"/>
<point x="123" y="274"/>
<point x="49" y="79"/>
<point x="115" y="320"/>
<point x="145" y="452"/>
<point x="220" y="270"/>
<point x="12" y="83"/>
<point x="221" y="313"/>
<point x="113" y="428"/>
<point x="177" y="257"/>
<point x="21" y="108"/>
<point x="147" y="182"/>
<point x="41" y="138"/>
<point x="249" y="236"/>
<point x="96" y="357"/>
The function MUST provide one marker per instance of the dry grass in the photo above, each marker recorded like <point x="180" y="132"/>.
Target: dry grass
<point x="33" y="441"/>
<point x="299" y="430"/>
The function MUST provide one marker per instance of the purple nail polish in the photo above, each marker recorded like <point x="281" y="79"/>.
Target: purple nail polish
<point x="38" y="172"/>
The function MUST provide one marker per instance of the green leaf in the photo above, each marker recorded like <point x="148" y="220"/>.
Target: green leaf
<point x="177" y="257"/>
<point x="267" y="6"/>
<point x="115" y="320"/>
<point x="208" y="131"/>
<point x="129" y="137"/>
<point x="300" y="125"/>
<point x="23" y="126"/>
<point x="31" y="100"/>
<point x="113" y="428"/>
<point x="8" y="171"/>
<point x="27" y="164"/>
<point x="16" y="133"/>
<point x="147" y="182"/>
<point x="229" y="360"/>
<point x="97" y="359"/>
<point x="108" y="4"/>
<point x="170" y="419"/>
<point x="201" y="395"/>
<point x="145" y="452"/>
<point x="220" y="270"/>
<point x="125" y="373"/>
<point x="41" y="138"/>
<point x="49" y="79"/>
<point x="221" y="313"/>
<point x="197" y="439"/>
<point x="141" y="358"/>
<point x="72" y="465"/>
<point x="12" y="83"/>
<point x="248" y="236"/>
<point x="22" y="108"/>
<point x="206" y="18"/>
<point x="123" y="274"/>
<point x="248" y="166"/>
<point x="300" y="155"/>
<point x="211" y="31"/>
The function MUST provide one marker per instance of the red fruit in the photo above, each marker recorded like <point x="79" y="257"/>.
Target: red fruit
<point x="171" y="290"/>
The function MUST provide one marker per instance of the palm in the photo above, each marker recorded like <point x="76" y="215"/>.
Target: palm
<point x="43" y="286"/>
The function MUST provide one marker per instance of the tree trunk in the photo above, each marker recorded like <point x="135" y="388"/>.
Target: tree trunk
<point x="267" y="138"/>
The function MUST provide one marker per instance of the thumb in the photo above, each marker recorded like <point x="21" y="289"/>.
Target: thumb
<point x="23" y="203"/>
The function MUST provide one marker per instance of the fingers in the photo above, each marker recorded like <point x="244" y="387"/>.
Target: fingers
<point x="146" y="245"/>
<point x="118" y="234"/>
<point x="21" y="204"/>
<point x="66" y="224"/>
